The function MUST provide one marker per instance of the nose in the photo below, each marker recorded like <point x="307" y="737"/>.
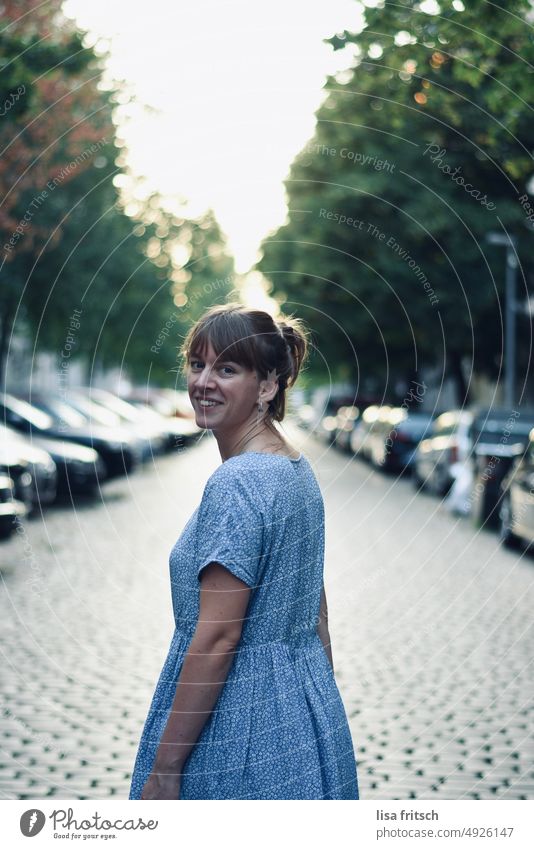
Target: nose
<point x="205" y="378"/>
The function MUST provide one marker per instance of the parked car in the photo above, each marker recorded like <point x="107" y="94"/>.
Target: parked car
<point x="346" y="419"/>
<point x="498" y="436"/>
<point x="360" y="438"/>
<point x="81" y="411"/>
<point x="41" y="488"/>
<point x="325" y="408"/>
<point x="80" y="470"/>
<point x="16" y="467"/>
<point x="147" y="429"/>
<point x="305" y="416"/>
<point x="118" y="451"/>
<point x="177" y="430"/>
<point x="169" y="403"/>
<point x="378" y="433"/>
<point x="516" y="509"/>
<point x="166" y="402"/>
<point x="324" y="426"/>
<point x="396" y="435"/>
<point x="94" y="413"/>
<point x="10" y="508"/>
<point x="436" y="457"/>
<point x="32" y="469"/>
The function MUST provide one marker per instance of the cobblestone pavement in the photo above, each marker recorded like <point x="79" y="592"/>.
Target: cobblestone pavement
<point x="431" y="624"/>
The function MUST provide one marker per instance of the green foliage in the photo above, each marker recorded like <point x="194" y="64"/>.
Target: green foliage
<point x="426" y="143"/>
<point x="68" y="243"/>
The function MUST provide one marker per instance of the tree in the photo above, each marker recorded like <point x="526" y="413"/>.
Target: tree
<point x="73" y="254"/>
<point x="49" y="134"/>
<point x="421" y="147"/>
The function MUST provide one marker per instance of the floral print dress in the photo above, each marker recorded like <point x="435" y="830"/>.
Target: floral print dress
<point x="279" y="728"/>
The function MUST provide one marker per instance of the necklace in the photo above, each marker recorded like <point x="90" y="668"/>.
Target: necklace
<point x="279" y="445"/>
<point x="278" y="451"/>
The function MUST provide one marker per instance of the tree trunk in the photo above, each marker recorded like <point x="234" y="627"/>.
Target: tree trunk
<point x="6" y="326"/>
<point x="8" y="310"/>
<point x="456" y="372"/>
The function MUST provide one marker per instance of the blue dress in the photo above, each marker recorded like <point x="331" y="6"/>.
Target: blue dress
<point x="279" y="728"/>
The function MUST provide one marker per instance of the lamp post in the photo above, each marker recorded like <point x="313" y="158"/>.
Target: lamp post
<point x="510" y="242"/>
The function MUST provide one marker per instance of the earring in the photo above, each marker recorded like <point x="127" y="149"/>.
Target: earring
<point x="260" y="406"/>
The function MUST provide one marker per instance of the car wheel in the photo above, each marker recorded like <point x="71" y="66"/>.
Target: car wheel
<point x="441" y="482"/>
<point x="7" y="527"/>
<point x="506" y="534"/>
<point x="485" y="511"/>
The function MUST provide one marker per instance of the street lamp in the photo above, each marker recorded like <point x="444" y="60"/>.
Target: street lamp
<point x="510" y="242"/>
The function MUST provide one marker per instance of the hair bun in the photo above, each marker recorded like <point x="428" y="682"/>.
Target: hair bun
<point x="295" y="336"/>
<point x="254" y="339"/>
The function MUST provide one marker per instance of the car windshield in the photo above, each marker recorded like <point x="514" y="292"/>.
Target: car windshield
<point x="502" y="431"/>
<point x="117" y="405"/>
<point x="36" y="417"/>
<point x="93" y="411"/>
<point x="61" y="412"/>
<point x="415" y="425"/>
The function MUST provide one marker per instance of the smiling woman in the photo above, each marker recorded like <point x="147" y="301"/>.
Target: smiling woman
<point x="238" y="358"/>
<point x="246" y="706"/>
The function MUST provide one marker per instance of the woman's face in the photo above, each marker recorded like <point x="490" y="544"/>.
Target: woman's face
<point x="224" y="394"/>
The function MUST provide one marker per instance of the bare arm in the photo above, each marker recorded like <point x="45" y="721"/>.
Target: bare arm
<point x="223" y="604"/>
<point x="322" y="628"/>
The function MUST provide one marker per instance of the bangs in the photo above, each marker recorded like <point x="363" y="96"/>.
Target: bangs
<point x="254" y="341"/>
<point x="230" y="336"/>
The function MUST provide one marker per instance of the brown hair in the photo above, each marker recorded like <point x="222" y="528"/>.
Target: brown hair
<point x="253" y="339"/>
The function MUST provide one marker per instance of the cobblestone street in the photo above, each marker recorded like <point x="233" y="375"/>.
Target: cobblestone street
<point x="431" y="623"/>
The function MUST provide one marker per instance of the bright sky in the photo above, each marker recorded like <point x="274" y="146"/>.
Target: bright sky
<point x="234" y="84"/>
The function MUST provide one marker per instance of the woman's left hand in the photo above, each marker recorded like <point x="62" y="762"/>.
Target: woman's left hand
<point x="161" y="787"/>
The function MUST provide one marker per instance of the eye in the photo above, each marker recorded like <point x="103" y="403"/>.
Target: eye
<point x="228" y="369"/>
<point x="195" y="364"/>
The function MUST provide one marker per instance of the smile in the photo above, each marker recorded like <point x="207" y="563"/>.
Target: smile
<point x="204" y="403"/>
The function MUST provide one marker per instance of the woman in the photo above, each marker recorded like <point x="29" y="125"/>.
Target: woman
<point x="246" y="706"/>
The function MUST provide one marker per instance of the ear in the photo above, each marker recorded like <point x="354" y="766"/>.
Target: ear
<point x="268" y="387"/>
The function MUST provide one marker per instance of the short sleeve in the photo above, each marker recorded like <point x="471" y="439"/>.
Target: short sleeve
<point x="230" y="526"/>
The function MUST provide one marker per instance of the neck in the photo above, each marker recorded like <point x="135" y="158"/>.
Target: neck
<point x="251" y="436"/>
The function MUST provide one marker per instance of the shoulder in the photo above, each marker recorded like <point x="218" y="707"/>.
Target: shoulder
<point x="250" y="476"/>
<point x="232" y="471"/>
<point x="235" y="479"/>
<point x="245" y="467"/>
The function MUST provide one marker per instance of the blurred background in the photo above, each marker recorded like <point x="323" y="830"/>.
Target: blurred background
<point x="366" y="166"/>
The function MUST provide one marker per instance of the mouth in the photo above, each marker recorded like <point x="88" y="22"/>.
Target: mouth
<point x="205" y="404"/>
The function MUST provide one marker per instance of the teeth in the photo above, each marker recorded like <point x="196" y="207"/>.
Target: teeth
<point x="207" y="403"/>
